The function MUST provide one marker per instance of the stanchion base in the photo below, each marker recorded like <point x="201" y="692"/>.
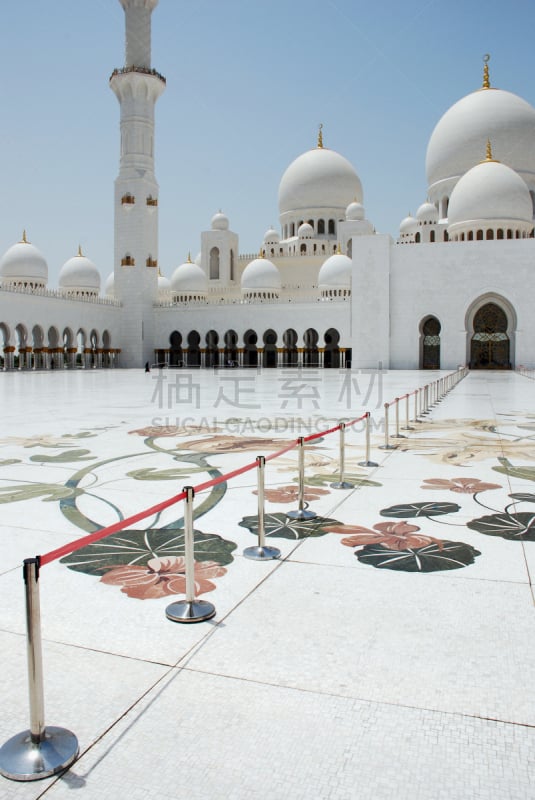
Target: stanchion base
<point x="342" y="485"/>
<point x="22" y="759"/>
<point x="398" y="436"/>
<point x="261" y="553"/>
<point x="190" y="611"/>
<point x="407" y="428"/>
<point x="301" y="514"/>
<point x="388" y="447"/>
<point x="368" y="464"/>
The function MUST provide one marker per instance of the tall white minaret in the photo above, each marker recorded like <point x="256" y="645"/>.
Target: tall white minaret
<point x="137" y="87"/>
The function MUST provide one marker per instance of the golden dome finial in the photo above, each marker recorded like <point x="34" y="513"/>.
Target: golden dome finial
<point x="339" y="250"/>
<point x="261" y="253"/>
<point x="80" y="250"/>
<point x="320" y="135"/>
<point x="189" y="258"/>
<point x="24" y="239"/>
<point x="486" y="79"/>
<point x="489" y="157"/>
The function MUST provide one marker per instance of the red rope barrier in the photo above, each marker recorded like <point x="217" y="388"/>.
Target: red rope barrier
<point x="320" y="434"/>
<point x="281" y="452"/>
<point x="117" y="526"/>
<point x="358" y="419"/>
<point x="65" y="549"/>
<point x="223" y="478"/>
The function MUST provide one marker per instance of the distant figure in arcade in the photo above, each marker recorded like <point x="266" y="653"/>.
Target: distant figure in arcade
<point x="147" y="368"/>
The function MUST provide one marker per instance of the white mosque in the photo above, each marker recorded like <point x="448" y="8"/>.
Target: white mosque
<point x="325" y="290"/>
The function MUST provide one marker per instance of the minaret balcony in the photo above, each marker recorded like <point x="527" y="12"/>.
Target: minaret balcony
<point x="140" y="70"/>
<point x="151" y="262"/>
<point x="128" y="261"/>
<point x="128" y="200"/>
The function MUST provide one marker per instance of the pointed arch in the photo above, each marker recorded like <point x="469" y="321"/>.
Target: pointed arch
<point x="214" y="263"/>
<point x="231" y="348"/>
<point x="491" y="325"/>
<point x="269" y="356"/>
<point x="331" y="354"/>
<point x="430" y="329"/>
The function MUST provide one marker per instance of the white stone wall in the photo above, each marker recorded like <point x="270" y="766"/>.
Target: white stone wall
<point x="446" y="280"/>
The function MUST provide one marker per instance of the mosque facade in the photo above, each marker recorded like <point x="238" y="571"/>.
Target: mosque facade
<point x="325" y="289"/>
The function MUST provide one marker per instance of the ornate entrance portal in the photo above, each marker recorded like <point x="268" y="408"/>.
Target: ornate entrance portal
<point x="490" y="346"/>
<point x="430" y="344"/>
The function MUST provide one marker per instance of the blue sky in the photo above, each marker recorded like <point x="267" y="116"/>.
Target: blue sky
<point x="248" y="82"/>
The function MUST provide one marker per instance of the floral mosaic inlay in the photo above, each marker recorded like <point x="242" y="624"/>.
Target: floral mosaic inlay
<point x="149" y="563"/>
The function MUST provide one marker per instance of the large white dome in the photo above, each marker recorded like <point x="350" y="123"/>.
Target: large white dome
<point x="79" y="273"/>
<point x="490" y="192"/>
<point x="23" y="263"/>
<point x="459" y="138"/>
<point x="320" y="178"/>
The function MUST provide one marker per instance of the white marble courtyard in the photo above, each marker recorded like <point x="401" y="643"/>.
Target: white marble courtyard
<point x="389" y="653"/>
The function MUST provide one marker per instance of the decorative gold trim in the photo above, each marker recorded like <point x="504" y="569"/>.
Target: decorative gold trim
<point x="128" y="199"/>
<point x="128" y="261"/>
<point x="152" y="201"/>
<point x="151" y="262"/>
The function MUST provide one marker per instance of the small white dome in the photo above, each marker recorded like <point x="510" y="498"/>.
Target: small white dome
<point x="319" y="178"/>
<point x="335" y="272"/>
<point x="271" y="236"/>
<point x="489" y="192"/>
<point x="24" y="263"/>
<point x="427" y="213"/>
<point x="109" y="286"/>
<point x="189" y="277"/>
<point x="79" y="273"/>
<point x="164" y="284"/>
<point x="259" y="275"/>
<point x="220" y="222"/>
<point x="305" y="231"/>
<point x="355" y="211"/>
<point x="408" y="224"/>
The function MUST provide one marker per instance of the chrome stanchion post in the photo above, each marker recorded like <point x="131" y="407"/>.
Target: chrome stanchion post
<point x="301" y="512"/>
<point x="367" y="462"/>
<point x="342" y="484"/>
<point x="261" y="552"/>
<point x="38" y="752"/>
<point x="407" y="415"/>
<point x="190" y="609"/>
<point x="426" y="400"/>
<point x="416" y="394"/>
<point x="397" y="434"/>
<point x="387" y="445"/>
